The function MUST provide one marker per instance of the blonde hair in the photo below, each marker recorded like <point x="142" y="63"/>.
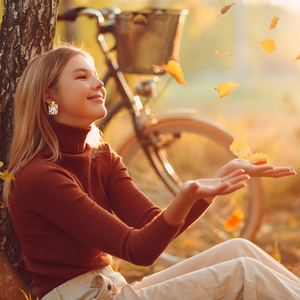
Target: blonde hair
<point x="32" y="124"/>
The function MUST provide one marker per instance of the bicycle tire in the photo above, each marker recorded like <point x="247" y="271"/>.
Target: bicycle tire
<point x="201" y="130"/>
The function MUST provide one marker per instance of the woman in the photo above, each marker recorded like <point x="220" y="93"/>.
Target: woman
<point x="66" y="192"/>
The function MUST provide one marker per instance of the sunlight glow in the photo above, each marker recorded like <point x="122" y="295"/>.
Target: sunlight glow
<point x="291" y="5"/>
<point x="169" y="168"/>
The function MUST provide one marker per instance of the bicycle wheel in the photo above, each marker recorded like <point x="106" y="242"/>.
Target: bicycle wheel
<point x="196" y="148"/>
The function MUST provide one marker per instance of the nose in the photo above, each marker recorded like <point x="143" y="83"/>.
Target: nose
<point x="98" y="84"/>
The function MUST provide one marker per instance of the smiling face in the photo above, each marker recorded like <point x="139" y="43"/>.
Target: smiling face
<point x="79" y="94"/>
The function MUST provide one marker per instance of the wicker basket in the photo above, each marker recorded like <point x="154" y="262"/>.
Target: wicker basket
<point x="148" y="38"/>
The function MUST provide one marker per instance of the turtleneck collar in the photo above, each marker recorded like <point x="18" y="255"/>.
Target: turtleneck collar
<point x="71" y="139"/>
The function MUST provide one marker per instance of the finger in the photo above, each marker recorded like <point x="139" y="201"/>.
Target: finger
<point x="233" y="187"/>
<point x="278" y="172"/>
<point x="281" y="174"/>
<point x="263" y="168"/>
<point x="238" y="178"/>
<point x="190" y="187"/>
<point x="219" y="190"/>
<point x="233" y="174"/>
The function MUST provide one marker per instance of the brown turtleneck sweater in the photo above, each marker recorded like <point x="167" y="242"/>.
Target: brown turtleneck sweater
<point x="62" y="213"/>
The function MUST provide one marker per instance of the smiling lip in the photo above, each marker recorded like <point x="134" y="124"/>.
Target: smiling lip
<point x="98" y="96"/>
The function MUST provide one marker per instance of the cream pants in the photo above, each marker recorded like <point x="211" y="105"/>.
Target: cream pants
<point x="236" y="269"/>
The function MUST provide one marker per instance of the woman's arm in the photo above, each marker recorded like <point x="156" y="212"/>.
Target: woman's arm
<point x="194" y="190"/>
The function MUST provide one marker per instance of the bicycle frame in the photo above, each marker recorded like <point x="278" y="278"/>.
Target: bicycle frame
<point x="156" y="155"/>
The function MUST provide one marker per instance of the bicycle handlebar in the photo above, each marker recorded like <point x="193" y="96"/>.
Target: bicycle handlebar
<point x="106" y="13"/>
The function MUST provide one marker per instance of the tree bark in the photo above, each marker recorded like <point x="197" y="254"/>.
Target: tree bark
<point x="27" y="29"/>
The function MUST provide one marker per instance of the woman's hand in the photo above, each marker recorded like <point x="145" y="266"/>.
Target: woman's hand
<point x="254" y="170"/>
<point x="209" y="188"/>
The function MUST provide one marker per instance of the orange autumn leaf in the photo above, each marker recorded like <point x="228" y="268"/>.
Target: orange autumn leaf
<point x="239" y="147"/>
<point x="258" y="158"/>
<point x="268" y="45"/>
<point x="298" y="57"/>
<point x="221" y="53"/>
<point x="274" y="22"/>
<point x="175" y="70"/>
<point x="234" y="220"/>
<point x="225" y="88"/>
<point x="225" y="9"/>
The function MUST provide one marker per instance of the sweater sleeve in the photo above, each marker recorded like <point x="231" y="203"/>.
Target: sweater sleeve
<point x="51" y="192"/>
<point x="134" y="207"/>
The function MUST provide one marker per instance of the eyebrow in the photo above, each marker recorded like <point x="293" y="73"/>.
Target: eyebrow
<point x="83" y="70"/>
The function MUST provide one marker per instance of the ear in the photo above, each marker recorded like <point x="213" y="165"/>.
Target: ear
<point x="49" y="96"/>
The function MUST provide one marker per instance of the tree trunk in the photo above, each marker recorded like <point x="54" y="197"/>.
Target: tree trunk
<point x="27" y="29"/>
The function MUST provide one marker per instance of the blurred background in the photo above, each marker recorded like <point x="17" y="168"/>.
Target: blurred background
<point x="265" y="107"/>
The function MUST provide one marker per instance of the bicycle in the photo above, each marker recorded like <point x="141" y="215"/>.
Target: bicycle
<point x="161" y="150"/>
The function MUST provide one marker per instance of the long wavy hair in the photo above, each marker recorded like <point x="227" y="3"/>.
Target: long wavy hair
<point x="32" y="124"/>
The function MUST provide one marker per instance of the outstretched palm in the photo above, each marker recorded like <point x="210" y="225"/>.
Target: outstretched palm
<point x="210" y="188"/>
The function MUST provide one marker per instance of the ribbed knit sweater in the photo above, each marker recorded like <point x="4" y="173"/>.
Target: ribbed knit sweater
<point x="62" y="213"/>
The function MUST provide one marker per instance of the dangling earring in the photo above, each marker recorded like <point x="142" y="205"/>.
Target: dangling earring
<point x="53" y="109"/>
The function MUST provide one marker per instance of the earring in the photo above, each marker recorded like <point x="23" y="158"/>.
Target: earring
<point x="52" y="109"/>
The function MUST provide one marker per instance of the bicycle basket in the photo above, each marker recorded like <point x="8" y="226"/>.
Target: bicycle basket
<point x="148" y="38"/>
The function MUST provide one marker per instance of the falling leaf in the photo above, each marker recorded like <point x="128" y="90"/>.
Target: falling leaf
<point x="268" y="45"/>
<point x="1" y="164"/>
<point x="175" y="70"/>
<point x="221" y="53"/>
<point x="258" y="158"/>
<point x="6" y="176"/>
<point x="298" y="57"/>
<point x="225" y="88"/>
<point x="225" y="9"/>
<point x="274" y="22"/>
<point x="234" y="220"/>
<point x="239" y="147"/>
<point x="276" y="253"/>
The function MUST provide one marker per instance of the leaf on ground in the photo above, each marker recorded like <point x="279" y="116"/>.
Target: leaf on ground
<point x="258" y="158"/>
<point x="239" y="147"/>
<point x="175" y="70"/>
<point x="225" y="9"/>
<point x="234" y="220"/>
<point x="225" y="88"/>
<point x="274" y="22"/>
<point x="221" y="53"/>
<point x="268" y="45"/>
<point x="298" y="57"/>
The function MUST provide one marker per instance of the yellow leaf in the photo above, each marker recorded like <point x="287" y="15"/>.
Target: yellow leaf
<point x="298" y="57"/>
<point x="6" y="176"/>
<point x="268" y="45"/>
<point x="225" y="88"/>
<point x="175" y="70"/>
<point x="274" y="22"/>
<point x="239" y="147"/>
<point x="1" y="164"/>
<point x="276" y="253"/>
<point x="234" y="220"/>
<point x="258" y="158"/>
<point x="225" y="9"/>
<point x="221" y="53"/>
